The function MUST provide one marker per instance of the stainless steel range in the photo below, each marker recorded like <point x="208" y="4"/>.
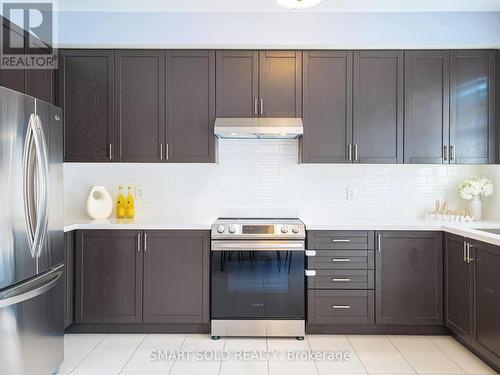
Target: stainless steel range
<point x="258" y="286"/>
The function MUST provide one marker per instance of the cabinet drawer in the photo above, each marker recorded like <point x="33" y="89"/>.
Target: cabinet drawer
<point x="340" y="307"/>
<point x="341" y="279"/>
<point x="340" y="240"/>
<point x="341" y="259"/>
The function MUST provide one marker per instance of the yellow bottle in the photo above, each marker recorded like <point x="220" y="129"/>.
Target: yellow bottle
<point x="129" y="204"/>
<point x="120" y="204"/>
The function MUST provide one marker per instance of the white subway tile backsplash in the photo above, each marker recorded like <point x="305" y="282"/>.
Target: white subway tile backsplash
<point x="262" y="178"/>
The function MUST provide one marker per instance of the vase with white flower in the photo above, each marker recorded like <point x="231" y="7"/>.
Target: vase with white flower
<point x="474" y="189"/>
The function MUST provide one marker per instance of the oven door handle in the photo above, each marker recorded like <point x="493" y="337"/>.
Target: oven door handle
<point x="257" y="245"/>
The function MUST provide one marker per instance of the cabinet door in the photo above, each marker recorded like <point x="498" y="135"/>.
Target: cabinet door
<point x="191" y="106"/>
<point x="486" y="258"/>
<point x="69" y="252"/>
<point x="426" y="106"/>
<point x="12" y="78"/>
<point x="327" y="97"/>
<point x="176" y="277"/>
<point x="472" y="107"/>
<point x="458" y="287"/>
<point x="237" y="83"/>
<point x="86" y="96"/>
<point x="378" y="107"/>
<point x="139" y="105"/>
<point x="108" y="276"/>
<point x="409" y="278"/>
<point x="40" y="82"/>
<point x="280" y="84"/>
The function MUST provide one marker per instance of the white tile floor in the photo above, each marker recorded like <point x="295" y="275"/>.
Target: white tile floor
<point x="127" y="354"/>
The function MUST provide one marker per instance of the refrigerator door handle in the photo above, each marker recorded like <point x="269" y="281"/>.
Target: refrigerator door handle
<point x="42" y="187"/>
<point x="32" y="288"/>
<point x="30" y="213"/>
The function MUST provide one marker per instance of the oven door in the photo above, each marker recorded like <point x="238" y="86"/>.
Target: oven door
<point x="258" y="279"/>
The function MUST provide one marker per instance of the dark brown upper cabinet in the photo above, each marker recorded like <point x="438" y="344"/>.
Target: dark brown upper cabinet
<point x="176" y="276"/>
<point x="427" y="125"/>
<point x="237" y="83"/>
<point x="259" y="84"/>
<point x="139" y="105"/>
<point x="35" y="82"/>
<point x="327" y="106"/>
<point x="190" y="106"/>
<point x="108" y="276"/>
<point x="409" y="278"/>
<point x="472" y="101"/>
<point x="86" y="83"/>
<point x="378" y="107"/>
<point x="280" y="83"/>
<point x="458" y="287"/>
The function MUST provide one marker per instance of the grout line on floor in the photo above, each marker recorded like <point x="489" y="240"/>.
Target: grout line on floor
<point x="402" y="354"/>
<point x="447" y="355"/>
<point x="87" y="354"/>
<point x="357" y="355"/>
<point x="180" y="348"/>
<point x="135" y="351"/>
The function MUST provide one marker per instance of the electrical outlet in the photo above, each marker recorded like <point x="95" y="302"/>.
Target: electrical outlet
<point x="352" y="193"/>
<point x="139" y="193"/>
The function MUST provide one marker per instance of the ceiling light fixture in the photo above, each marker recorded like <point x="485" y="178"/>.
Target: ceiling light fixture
<point x="298" y="4"/>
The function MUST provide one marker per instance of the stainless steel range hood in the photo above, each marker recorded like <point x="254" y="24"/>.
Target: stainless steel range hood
<point x="276" y="128"/>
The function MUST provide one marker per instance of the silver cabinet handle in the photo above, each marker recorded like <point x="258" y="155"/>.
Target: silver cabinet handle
<point x="445" y="153"/>
<point x="355" y="152"/>
<point x="166" y="154"/>
<point x="255" y="107"/>
<point x="310" y="253"/>
<point x="452" y="153"/>
<point x="379" y="242"/>
<point x="341" y="280"/>
<point x="145" y="242"/>
<point x="343" y="307"/>
<point x="161" y="151"/>
<point x="469" y="259"/>
<point x="349" y="152"/>
<point x="465" y="251"/>
<point x="341" y="259"/>
<point x="138" y="242"/>
<point x="341" y="240"/>
<point x="310" y="273"/>
<point x="110" y="150"/>
<point x="261" y="106"/>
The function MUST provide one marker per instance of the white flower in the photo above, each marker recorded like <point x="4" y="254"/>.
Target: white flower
<point x="475" y="187"/>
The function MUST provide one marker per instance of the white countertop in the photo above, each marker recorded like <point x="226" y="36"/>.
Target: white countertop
<point x="469" y="230"/>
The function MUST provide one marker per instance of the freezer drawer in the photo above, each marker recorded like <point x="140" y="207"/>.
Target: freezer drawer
<point x="32" y="325"/>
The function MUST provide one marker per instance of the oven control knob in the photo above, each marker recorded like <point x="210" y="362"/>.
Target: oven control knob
<point x="295" y="229"/>
<point x="232" y="229"/>
<point x="284" y="229"/>
<point x="221" y="229"/>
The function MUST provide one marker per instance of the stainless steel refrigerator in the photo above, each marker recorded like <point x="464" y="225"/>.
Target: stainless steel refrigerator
<point x="31" y="235"/>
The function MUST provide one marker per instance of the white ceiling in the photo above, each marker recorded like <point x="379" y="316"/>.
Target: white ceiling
<point x="271" y="6"/>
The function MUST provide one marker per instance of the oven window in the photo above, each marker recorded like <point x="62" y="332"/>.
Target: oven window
<point x="258" y="285"/>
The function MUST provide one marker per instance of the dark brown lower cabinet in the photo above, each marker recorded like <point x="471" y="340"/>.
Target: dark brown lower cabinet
<point x="129" y="276"/>
<point x="458" y="288"/>
<point x="409" y="278"/>
<point x="486" y="263"/>
<point x="108" y="276"/>
<point x="69" y="244"/>
<point x="176" y="277"/>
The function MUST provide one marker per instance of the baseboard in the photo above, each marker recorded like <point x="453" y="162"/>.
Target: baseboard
<point x="376" y="329"/>
<point x="138" y="328"/>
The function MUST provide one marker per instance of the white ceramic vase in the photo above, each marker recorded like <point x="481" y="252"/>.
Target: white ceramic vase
<point x="99" y="203"/>
<point x="476" y="208"/>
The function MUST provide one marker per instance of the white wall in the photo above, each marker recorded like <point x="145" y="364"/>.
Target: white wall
<point x="261" y="178"/>
<point x="279" y="29"/>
